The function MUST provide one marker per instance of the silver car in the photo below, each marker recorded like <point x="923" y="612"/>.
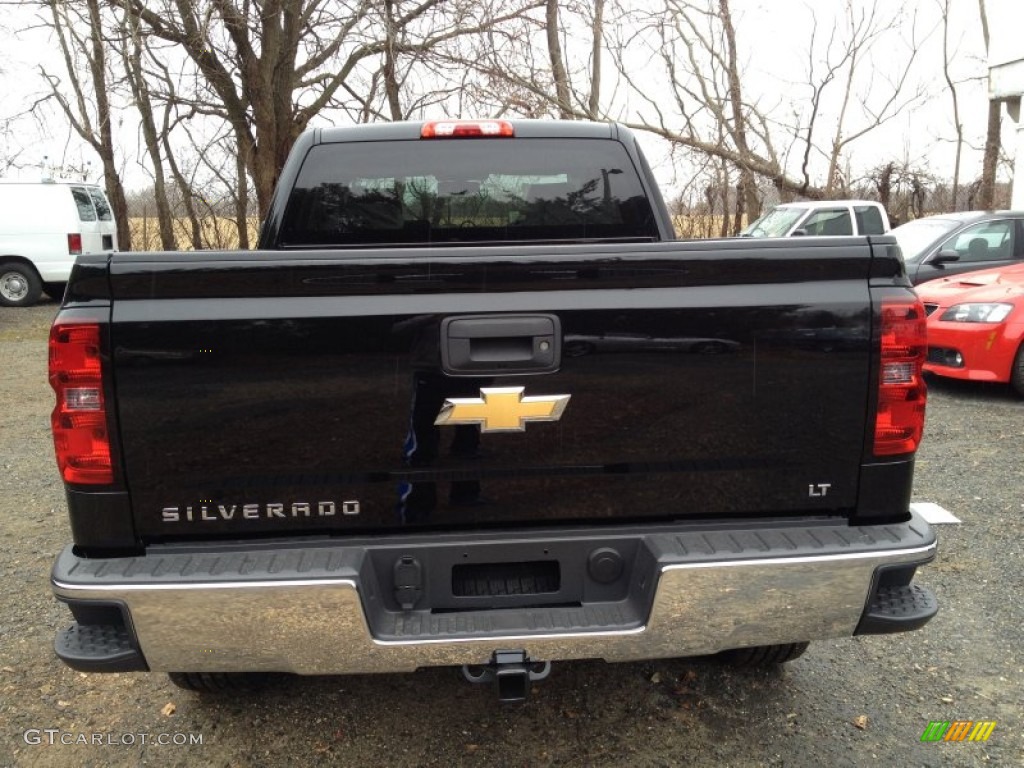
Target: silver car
<point x="951" y="243"/>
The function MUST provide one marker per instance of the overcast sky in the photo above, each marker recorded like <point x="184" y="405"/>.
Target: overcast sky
<point x="772" y="35"/>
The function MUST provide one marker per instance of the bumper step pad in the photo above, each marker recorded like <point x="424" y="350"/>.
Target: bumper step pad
<point x="99" y="648"/>
<point x="898" y="609"/>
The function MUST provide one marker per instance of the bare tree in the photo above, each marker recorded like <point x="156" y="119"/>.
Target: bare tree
<point x="131" y="48"/>
<point x="692" y="48"/>
<point x="682" y="39"/>
<point x="272" y="66"/>
<point x="9" y="155"/>
<point x="707" y="112"/>
<point x="747" y="199"/>
<point x="986" y="190"/>
<point x="224" y="87"/>
<point x="78" y="27"/>
<point x="561" y="78"/>
<point x="907" y="192"/>
<point x="566" y="96"/>
<point x="249" y="58"/>
<point x="527" y="63"/>
<point x="596" y="50"/>
<point x="957" y="123"/>
<point x="177" y="109"/>
<point x="880" y="98"/>
<point x="182" y="184"/>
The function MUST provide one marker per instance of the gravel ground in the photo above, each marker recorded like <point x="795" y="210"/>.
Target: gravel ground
<point x="846" y="702"/>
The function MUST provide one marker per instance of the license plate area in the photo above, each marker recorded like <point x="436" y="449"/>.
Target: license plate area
<point x="495" y="575"/>
<point x="501" y="579"/>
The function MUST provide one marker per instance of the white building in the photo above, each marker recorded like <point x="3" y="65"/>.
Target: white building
<point x="1006" y="78"/>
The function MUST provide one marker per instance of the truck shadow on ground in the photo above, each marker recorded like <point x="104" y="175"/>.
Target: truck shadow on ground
<point x="585" y="710"/>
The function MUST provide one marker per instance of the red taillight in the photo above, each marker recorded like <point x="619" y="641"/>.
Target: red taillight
<point x="79" y="419"/>
<point x="899" y="421"/>
<point x="74" y="244"/>
<point x="456" y="129"/>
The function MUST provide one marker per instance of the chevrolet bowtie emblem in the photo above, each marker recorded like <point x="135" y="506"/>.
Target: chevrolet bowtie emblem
<point x="502" y="409"/>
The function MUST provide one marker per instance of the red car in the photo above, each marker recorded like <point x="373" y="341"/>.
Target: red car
<point x="976" y="325"/>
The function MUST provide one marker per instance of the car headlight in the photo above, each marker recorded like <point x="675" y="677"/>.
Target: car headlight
<point x="977" y="313"/>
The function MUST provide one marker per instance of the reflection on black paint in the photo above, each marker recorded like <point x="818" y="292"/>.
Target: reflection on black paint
<point x="312" y="386"/>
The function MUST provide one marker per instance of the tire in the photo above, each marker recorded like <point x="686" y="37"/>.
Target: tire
<point x="20" y="286"/>
<point x="762" y="655"/>
<point x="55" y="290"/>
<point x="1017" y="371"/>
<point x="218" y="682"/>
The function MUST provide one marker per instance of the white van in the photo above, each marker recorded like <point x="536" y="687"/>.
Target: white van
<point x="44" y="225"/>
<point x="821" y="218"/>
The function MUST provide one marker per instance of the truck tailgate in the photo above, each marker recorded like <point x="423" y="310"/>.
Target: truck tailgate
<point x="266" y="393"/>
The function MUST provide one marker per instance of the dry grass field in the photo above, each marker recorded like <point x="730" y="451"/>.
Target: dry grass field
<point x="222" y="234"/>
<point x="216" y="233"/>
<point x="692" y="226"/>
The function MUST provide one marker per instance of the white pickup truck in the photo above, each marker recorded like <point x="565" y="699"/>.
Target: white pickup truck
<point x="820" y="218"/>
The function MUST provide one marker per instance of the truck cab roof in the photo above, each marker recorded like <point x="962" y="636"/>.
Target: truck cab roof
<point x="523" y="129"/>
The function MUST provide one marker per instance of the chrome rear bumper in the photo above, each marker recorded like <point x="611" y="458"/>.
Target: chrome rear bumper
<point x="322" y="608"/>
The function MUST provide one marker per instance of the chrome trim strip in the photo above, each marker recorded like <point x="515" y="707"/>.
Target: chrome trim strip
<point x="63" y="585"/>
<point x="810" y="559"/>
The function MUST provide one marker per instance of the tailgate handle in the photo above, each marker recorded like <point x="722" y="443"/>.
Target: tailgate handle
<point x="494" y="345"/>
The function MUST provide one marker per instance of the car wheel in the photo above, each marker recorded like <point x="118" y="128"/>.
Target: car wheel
<point x="218" y="682"/>
<point x="55" y="290"/>
<point x="20" y="286"/>
<point x="1017" y="372"/>
<point x="762" y="655"/>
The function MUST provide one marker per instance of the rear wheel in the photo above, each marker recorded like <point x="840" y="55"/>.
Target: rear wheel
<point x="762" y="655"/>
<point x="218" y="682"/>
<point x="20" y="286"/>
<point x="1017" y="372"/>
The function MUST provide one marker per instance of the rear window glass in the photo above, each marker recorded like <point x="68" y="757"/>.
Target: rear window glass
<point x="102" y="207"/>
<point x="869" y="220"/>
<point x="408" y="192"/>
<point x="829" y="222"/>
<point x="85" y="210"/>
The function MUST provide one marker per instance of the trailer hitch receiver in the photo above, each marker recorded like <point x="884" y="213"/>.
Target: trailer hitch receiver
<point x="511" y="672"/>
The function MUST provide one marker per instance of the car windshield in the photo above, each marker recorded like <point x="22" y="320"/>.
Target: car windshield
<point x="775" y="223"/>
<point x="914" y="237"/>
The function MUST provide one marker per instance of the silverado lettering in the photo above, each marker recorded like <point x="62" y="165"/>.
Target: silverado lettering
<point x="732" y="477"/>
<point x="250" y="511"/>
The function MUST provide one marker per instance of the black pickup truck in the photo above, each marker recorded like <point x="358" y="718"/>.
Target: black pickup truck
<point x="469" y="403"/>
